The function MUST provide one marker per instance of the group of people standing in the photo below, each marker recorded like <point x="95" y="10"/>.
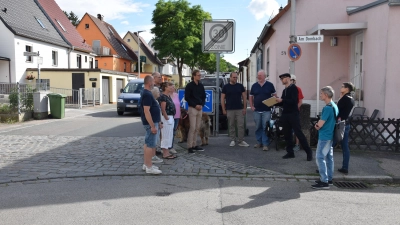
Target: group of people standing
<point x="290" y="101"/>
<point x="160" y="117"/>
<point x="164" y="115"/>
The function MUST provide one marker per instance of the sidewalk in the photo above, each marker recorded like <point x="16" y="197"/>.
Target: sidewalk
<point x="44" y="157"/>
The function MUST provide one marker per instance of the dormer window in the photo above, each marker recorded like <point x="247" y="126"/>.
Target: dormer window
<point x="111" y="30"/>
<point x="123" y="47"/>
<point x="40" y="22"/>
<point x="59" y="23"/>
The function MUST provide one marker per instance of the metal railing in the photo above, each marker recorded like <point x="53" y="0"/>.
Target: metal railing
<point x="72" y="99"/>
<point x="90" y="96"/>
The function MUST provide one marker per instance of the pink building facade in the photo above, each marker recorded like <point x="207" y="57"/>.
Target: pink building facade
<point x="365" y="52"/>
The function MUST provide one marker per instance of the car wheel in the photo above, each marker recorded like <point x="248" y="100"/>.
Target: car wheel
<point x="120" y="113"/>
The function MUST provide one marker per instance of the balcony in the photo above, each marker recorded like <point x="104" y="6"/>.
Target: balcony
<point x="103" y="50"/>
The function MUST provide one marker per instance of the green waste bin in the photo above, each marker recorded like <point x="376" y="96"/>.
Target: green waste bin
<point x="57" y="105"/>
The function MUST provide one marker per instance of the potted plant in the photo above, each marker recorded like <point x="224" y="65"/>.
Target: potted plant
<point x="30" y="77"/>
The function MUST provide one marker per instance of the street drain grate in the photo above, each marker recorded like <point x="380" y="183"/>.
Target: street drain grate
<point x="350" y="185"/>
<point x="163" y="194"/>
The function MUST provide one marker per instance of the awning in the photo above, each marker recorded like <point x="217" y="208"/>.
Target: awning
<point x="337" y="29"/>
<point x="4" y="58"/>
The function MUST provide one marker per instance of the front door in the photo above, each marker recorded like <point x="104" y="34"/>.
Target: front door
<point x="105" y="90"/>
<point x="78" y="81"/>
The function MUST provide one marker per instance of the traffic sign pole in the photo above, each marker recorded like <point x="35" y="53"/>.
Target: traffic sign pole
<point x="217" y="98"/>
<point x="292" y="33"/>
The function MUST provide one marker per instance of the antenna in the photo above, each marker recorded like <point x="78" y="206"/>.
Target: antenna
<point x="272" y="14"/>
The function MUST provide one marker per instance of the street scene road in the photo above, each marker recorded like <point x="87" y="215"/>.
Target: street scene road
<point x="89" y="165"/>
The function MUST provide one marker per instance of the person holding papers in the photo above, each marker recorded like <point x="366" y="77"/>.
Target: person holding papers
<point x="290" y="119"/>
<point x="259" y="92"/>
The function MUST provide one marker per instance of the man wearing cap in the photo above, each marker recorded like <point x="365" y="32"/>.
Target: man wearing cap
<point x="299" y="102"/>
<point x="290" y="118"/>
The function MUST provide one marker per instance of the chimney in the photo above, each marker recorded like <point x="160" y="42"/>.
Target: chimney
<point x="280" y="9"/>
<point x="100" y="17"/>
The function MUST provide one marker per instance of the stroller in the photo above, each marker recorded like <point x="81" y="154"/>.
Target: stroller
<point x="274" y="131"/>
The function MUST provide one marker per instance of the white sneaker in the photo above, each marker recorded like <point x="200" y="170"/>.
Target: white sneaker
<point x="232" y="143"/>
<point x="155" y="159"/>
<point x="153" y="170"/>
<point x="173" y="151"/>
<point x="243" y="144"/>
<point x="144" y="167"/>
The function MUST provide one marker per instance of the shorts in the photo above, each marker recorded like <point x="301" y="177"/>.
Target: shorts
<point x="151" y="139"/>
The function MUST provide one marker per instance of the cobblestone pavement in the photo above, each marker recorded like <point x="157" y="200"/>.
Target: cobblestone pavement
<point x="30" y="158"/>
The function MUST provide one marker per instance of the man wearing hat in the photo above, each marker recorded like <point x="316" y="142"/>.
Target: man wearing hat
<point x="299" y="102"/>
<point x="290" y="118"/>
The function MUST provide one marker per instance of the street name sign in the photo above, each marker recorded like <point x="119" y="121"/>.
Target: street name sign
<point x="310" y="39"/>
<point x="31" y="53"/>
<point x="218" y="36"/>
<point x="294" y="51"/>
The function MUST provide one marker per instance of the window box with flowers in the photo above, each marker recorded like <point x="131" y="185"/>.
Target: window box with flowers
<point x="30" y="77"/>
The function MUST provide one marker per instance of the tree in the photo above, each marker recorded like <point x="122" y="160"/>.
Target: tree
<point x="177" y="30"/>
<point x="73" y="18"/>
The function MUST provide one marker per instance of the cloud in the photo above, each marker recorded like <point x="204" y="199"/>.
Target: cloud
<point x="125" y="22"/>
<point x="115" y="9"/>
<point x="263" y="8"/>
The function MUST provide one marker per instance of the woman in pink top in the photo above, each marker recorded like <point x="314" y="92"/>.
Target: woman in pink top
<point x="177" y="116"/>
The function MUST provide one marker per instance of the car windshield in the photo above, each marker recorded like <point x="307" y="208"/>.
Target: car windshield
<point x="133" y="88"/>
<point x="212" y="82"/>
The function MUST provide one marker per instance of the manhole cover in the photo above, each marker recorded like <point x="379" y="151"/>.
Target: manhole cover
<point x="350" y="185"/>
<point x="163" y="194"/>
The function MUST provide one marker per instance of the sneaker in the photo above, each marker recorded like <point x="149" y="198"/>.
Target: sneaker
<point x="190" y="151"/>
<point x="173" y="151"/>
<point x="144" y="167"/>
<point x="155" y="159"/>
<point x="344" y="171"/>
<point x="197" y="148"/>
<point x="153" y="170"/>
<point x="296" y="148"/>
<point x="288" y="156"/>
<point x="330" y="182"/>
<point x="265" y="148"/>
<point x="258" y="146"/>
<point x="321" y="186"/>
<point x="232" y="143"/>
<point x="243" y="144"/>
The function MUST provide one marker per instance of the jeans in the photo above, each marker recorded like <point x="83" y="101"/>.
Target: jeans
<point x="176" y="122"/>
<point x="150" y="139"/>
<point x="324" y="160"/>
<point x="261" y="119"/>
<point x="345" y="147"/>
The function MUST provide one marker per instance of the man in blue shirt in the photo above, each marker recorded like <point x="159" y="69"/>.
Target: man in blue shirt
<point x="260" y="91"/>
<point x="325" y="127"/>
<point x="234" y="94"/>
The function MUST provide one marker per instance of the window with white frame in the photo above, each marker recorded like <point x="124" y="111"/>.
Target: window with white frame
<point x="54" y="58"/>
<point x="40" y="22"/>
<point x="91" y="62"/>
<point x="96" y="64"/>
<point x="62" y="27"/>
<point x="28" y="48"/>
<point x="129" y="40"/>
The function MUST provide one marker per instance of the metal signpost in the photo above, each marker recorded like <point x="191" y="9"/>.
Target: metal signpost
<point x="218" y="37"/>
<point x="40" y="61"/>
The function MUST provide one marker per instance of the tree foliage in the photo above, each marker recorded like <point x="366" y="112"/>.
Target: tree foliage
<point x="73" y="18"/>
<point x="177" y="30"/>
<point x="209" y="62"/>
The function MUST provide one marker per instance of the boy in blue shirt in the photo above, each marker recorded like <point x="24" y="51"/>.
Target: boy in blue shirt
<point x="325" y="127"/>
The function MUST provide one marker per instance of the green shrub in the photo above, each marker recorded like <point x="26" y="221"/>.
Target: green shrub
<point x="5" y="108"/>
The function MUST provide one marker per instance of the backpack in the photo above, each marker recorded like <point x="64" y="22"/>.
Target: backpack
<point x="338" y="130"/>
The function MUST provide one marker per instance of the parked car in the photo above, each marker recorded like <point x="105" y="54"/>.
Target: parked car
<point x="129" y="97"/>
<point x="211" y="81"/>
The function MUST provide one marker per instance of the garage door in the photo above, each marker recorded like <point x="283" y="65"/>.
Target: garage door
<point x="119" y="87"/>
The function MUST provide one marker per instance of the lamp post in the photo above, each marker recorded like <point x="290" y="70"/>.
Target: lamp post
<point x="139" y="50"/>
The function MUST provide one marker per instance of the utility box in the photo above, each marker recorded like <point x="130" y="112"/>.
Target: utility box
<point x="40" y="105"/>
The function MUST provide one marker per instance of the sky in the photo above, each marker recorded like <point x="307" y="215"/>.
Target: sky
<point x="250" y="16"/>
